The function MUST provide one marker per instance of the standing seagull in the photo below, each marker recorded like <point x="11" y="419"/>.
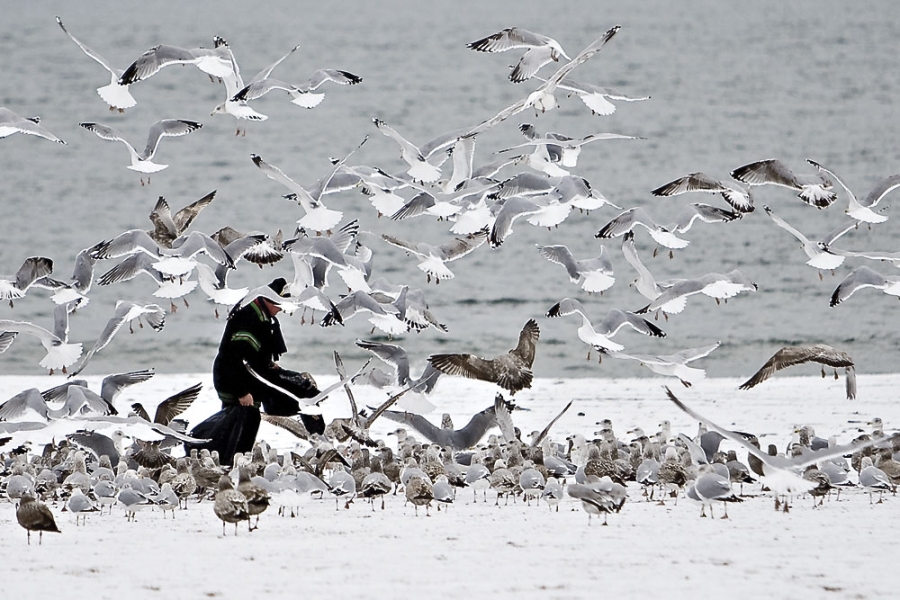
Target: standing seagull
<point x="815" y="189"/>
<point x="542" y="50"/>
<point x="116" y="95"/>
<point x="795" y="355"/>
<point x="511" y="371"/>
<point x="34" y="515"/>
<point x="11" y="123"/>
<point x="143" y="162"/>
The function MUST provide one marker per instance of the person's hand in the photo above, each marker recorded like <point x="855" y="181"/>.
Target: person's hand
<point x="246" y="399"/>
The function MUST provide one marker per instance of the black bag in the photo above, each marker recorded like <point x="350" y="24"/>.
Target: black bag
<point x="233" y="429"/>
<point x="301" y="385"/>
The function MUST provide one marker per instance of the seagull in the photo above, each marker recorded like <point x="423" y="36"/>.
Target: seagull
<point x="820" y="254"/>
<point x="511" y="371"/>
<point x="168" y="227"/>
<point x="33" y="515"/>
<point x="117" y="96"/>
<point x="383" y="316"/>
<point x="125" y="312"/>
<point x="715" y="285"/>
<point x="420" y="168"/>
<point x="171" y="407"/>
<point x="795" y="355"/>
<point x="11" y="123"/>
<point x="168" y="287"/>
<point x="645" y="283"/>
<point x="780" y="473"/>
<point x="230" y="505"/>
<point x="600" y="495"/>
<point x="597" y="98"/>
<point x="541" y="50"/>
<point x="739" y="198"/>
<point x="543" y="99"/>
<point x="457" y="439"/>
<point x="79" y="399"/>
<point x="396" y="357"/>
<point x="634" y="217"/>
<point x="302" y="94"/>
<point x="433" y="258"/>
<point x="862" y="211"/>
<point x="709" y="487"/>
<point x="13" y="287"/>
<point x="562" y="148"/>
<point x="215" y="62"/>
<point x="863" y="277"/>
<point x="76" y="288"/>
<point x="143" y="162"/>
<point x="318" y="217"/>
<point x="673" y="365"/>
<point x="705" y="212"/>
<point x="177" y="261"/>
<point x="600" y="337"/>
<point x="815" y="190"/>
<point x="594" y="274"/>
<point x="60" y="353"/>
<point x="234" y="84"/>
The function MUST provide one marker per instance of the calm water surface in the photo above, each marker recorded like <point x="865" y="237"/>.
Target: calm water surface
<point x="731" y="83"/>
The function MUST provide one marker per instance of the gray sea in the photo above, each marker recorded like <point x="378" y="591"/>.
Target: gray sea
<point x="730" y="83"/>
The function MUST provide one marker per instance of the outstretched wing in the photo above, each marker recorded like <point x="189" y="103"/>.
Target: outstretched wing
<point x="528" y="338"/>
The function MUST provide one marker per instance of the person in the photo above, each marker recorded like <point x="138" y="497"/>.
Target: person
<point x="252" y="338"/>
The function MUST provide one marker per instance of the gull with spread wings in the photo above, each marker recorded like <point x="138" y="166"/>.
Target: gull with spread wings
<point x="511" y="371"/>
<point x="795" y="355"/>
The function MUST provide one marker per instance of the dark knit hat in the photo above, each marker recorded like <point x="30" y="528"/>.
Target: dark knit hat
<point x="278" y="286"/>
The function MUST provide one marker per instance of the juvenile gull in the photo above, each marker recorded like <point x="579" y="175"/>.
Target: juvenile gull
<point x="117" y="96"/>
<point x="739" y="198"/>
<point x="11" y="123"/>
<point x="168" y="227"/>
<point x="795" y="355"/>
<point x="814" y="189"/>
<point x="143" y="162"/>
<point x="541" y="50"/>
<point x="33" y="515"/>
<point x="511" y="371"/>
<point x="230" y="505"/>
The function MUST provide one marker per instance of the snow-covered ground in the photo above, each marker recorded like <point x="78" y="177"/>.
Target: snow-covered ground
<point x="843" y="549"/>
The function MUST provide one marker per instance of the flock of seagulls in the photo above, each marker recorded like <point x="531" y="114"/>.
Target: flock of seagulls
<point x="480" y="203"/>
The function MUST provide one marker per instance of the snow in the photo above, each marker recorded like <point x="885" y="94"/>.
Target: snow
<point x="482" y="550"/>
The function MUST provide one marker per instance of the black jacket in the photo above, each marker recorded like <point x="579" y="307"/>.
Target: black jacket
<point x="253" y="335"/>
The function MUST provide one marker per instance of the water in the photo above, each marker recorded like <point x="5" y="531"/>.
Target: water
<point x="729" y="86"/>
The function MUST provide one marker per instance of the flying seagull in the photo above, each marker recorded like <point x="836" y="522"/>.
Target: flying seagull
<point x="511" y="371"/>
<point x="795" y="355"/>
